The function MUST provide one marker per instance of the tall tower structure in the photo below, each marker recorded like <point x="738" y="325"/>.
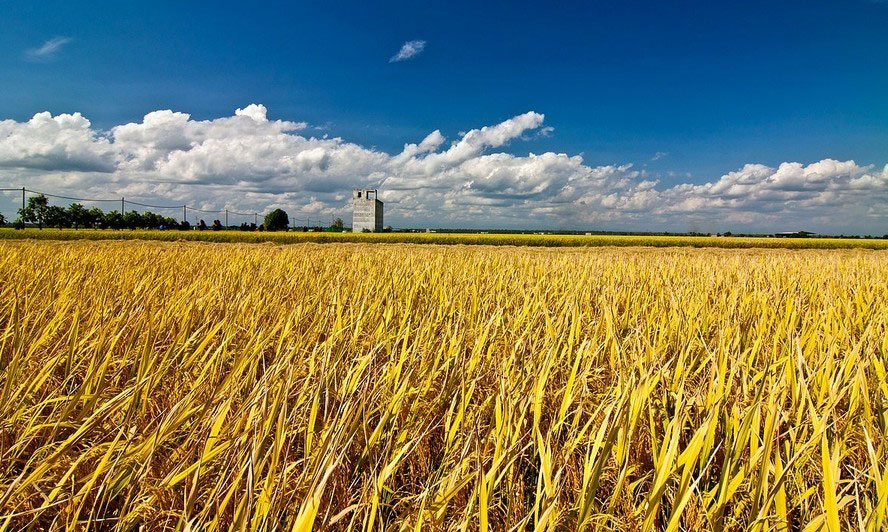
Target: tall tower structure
<point x="367" y="213"/>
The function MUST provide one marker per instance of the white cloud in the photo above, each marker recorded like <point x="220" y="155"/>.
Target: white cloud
<point x="247" y="162"/>
<point x="48" y="50"/>
<point x="659" y="155"/>
<point x="255" y="111"/>
<point x="408" y="50"/>
<point x="65" y="142"/>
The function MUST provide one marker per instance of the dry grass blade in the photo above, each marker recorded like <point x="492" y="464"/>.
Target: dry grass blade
<point x="406" y="387"/>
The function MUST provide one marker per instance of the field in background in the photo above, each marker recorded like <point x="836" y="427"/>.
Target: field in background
<point x="422" y="387"/>
<point x="450" y="238"/>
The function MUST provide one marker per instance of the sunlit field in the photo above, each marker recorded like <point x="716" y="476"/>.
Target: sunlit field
<point x="536" y="240"/>
<point x="407" y="387"/>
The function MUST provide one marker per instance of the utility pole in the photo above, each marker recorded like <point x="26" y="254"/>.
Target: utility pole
<point x="184" y="213"/>
<point x="23" y="201"/>
<point x="256" y="218"/>
<point x="226" y="218"/>
<point x="122" y="206"/>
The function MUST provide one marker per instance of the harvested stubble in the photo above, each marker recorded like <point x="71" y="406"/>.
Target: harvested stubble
<point x="217" y="386"/>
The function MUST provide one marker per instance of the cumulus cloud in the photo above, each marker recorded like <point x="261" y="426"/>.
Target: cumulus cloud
<point x="48" y="50"/>
<point x="63" y="142"/>
<point x="248" y="162"/>
<point x="409" y="50"/>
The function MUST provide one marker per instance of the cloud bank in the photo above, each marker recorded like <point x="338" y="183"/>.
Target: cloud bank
<point x="249" y="162"/>
<point x="408" y="50"/>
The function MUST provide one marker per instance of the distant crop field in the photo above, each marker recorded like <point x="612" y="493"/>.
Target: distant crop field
<point x="449" y="238"/>
<point x="405" y="387"/>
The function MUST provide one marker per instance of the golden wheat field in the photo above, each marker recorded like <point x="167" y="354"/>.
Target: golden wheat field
<point x="205" y="386"/>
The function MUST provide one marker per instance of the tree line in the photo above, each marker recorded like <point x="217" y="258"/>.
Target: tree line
<point x="39" y="212"/>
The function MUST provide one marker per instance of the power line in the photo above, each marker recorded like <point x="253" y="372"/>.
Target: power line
<point x="123" y="201"/>
<point x="154" y="206"/>
<point x="65" y="197"/>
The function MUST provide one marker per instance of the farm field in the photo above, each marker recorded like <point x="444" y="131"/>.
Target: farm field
<point x="412" y="387"/>
<point x="448" y="239"/>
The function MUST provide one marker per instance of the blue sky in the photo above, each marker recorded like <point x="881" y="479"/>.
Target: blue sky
<point x="685" y="93"/>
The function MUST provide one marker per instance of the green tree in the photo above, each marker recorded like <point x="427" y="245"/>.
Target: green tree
<point x="151" y="220"/>
<point x="77" y="215"/>
<point x="337" y="223"/>
<point x="133" y="220"/>
<point x="93" y="217"/>
<point x="35" y="211"/>
<point x="112" y="220"/>
<point x="56" y="217"/>
<point x="2" y="219"/>
<point x="277" y="220"/>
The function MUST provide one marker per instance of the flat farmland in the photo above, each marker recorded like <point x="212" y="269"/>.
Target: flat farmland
<point x="404" y="386"/>
<point x="469" y="239"/>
